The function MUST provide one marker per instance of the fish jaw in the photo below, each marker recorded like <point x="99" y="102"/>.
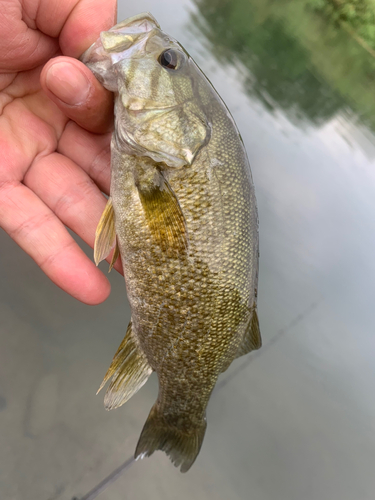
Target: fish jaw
<point x="116" y="44"/>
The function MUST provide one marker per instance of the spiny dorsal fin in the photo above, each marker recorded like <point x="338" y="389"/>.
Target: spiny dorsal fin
<point x="129" y="371"/>
<point x="164" y="217"/>
<point x="252" y="339"/>
<point x="105" y="235"/>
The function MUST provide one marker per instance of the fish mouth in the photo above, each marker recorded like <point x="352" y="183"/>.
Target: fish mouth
<point x="141" y="23"/>
<point x="122" y="41"/>
<point x="137" y="106"/>
<point x="129" y="33"/>
<point x="126" y="40"/>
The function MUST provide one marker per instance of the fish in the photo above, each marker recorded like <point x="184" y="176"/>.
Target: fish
<point x="182" y="215"/>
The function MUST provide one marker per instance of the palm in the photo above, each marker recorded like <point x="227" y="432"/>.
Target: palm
<point x="52" y="169"/>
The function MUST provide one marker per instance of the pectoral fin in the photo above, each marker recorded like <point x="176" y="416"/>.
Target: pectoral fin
<point x="252" y="339"/>
<point x="129" y="371"/>
<point x="164" y="217"/>
<point x="105" y="236"/>
<point x="115" y="256"/>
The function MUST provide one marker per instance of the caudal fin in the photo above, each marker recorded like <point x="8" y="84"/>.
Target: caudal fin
<point x="181" y="447"/>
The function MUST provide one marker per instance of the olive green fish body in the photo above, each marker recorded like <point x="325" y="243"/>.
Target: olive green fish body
<point x="183" y="213"/>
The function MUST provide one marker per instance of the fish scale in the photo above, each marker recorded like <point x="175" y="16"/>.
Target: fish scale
<point x="182" y="212"/>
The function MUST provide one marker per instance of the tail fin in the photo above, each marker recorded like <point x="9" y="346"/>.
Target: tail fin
<point x="181" y="447"/>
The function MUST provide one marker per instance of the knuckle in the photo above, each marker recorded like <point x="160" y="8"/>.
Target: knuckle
<point x="69" y="202"/>
<point x="30" y="225"/>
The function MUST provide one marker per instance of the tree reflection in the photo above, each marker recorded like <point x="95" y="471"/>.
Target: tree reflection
<point x="277" y="68"/>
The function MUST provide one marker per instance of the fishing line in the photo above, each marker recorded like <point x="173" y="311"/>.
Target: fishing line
<point x="113" y="476"/>
<point x="103" y="485"/>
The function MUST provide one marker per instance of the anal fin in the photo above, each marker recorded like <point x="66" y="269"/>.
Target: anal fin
<point x="129" y="371"/>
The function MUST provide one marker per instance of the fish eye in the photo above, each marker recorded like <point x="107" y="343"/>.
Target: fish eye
<point x="169" y="59"/>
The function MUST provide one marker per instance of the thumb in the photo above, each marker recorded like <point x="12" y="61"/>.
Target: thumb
<point x="76" y="91"/>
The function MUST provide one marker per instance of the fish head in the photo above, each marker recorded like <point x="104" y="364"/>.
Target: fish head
<point x="161" y="94"/>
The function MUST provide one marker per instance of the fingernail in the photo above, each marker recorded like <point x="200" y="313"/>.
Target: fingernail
<point x="68" y="83"/>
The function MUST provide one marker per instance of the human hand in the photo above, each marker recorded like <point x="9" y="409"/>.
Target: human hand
<point x="55" y="126"/>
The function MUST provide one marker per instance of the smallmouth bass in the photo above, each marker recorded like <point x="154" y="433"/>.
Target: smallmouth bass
<point x="182" y="214"/>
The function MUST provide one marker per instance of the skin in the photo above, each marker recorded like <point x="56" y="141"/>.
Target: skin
<point x="55" y="123"/>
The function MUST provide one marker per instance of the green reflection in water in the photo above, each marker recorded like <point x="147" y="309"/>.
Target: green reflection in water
<point x="292" y="58"/>
<point x="358" y="14"/>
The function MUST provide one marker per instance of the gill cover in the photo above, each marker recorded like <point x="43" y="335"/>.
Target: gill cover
<point x="157" y="107"/>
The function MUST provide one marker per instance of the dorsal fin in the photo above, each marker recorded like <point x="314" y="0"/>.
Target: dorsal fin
<point x="252" y="339"/>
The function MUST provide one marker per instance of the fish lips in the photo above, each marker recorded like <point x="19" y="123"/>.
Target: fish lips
<point x="120" y="42"/>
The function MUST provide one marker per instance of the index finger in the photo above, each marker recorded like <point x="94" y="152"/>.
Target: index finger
<point x="76" y="23"/>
